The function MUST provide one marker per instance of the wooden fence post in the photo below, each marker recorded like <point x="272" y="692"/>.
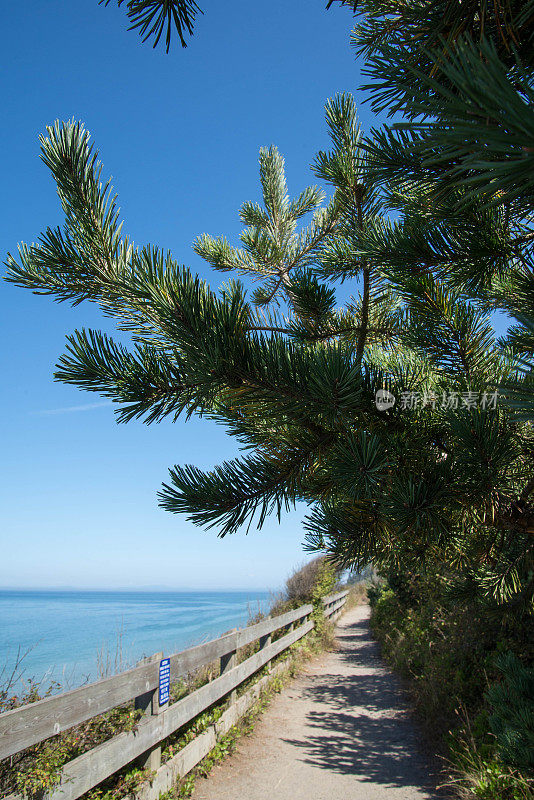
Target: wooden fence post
<point x="264" y="642"/>
<point x="229" y="661"/>
<point x="149" y="704"/>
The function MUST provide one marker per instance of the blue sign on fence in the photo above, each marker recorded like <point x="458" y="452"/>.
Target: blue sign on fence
<point x="164" y="680"/>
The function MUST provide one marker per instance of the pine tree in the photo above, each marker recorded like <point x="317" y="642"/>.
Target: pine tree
<point x="456" y="168"/>
<point x="294" y="378"/>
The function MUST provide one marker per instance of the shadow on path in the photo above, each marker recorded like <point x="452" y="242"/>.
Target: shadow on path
<point x="359" y="724"/>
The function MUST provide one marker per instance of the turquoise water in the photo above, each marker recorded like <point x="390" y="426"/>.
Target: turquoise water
<point x="76" y="636"/>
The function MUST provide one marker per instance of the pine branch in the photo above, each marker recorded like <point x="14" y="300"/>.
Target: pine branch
<point x="272" y="247"/>
<point x="230" y="495"/>
<point x="145" y="384"/>
<point x="153" y="18"/>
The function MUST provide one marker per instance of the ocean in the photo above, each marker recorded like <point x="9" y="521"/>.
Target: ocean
<point x="72" y="637"/>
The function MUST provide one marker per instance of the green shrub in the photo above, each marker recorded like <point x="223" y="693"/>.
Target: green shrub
<point x="450" y="653"/>
<point x="512" y="712"/>
<point x="305" y="582"/>
<point x="375" y="590"/>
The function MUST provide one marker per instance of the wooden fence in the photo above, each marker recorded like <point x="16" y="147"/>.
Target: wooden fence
<point x="36" y="722"/>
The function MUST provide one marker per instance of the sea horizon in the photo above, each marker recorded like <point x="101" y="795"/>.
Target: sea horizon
<point x="123" y="589"/>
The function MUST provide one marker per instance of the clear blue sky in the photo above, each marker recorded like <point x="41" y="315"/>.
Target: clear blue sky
<point x="180" y="135"/>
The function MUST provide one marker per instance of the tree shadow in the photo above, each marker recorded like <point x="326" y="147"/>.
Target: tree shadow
<point x="360" y="724"/>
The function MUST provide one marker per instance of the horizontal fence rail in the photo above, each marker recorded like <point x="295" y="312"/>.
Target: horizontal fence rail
<point x="23" y="727"/>
<point x="333" y="604"/>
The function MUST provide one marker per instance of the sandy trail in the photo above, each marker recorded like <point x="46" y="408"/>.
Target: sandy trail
<point x="340" y="731"/>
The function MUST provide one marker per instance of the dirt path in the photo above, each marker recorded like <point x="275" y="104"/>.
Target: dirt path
<point x="340" y="731"/>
